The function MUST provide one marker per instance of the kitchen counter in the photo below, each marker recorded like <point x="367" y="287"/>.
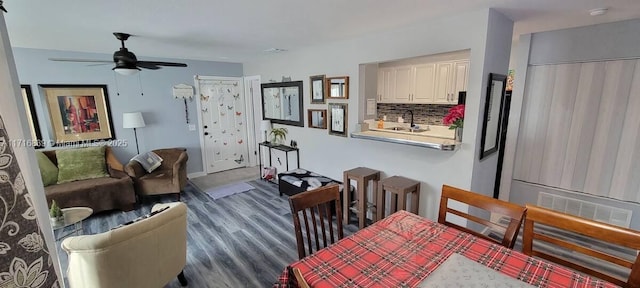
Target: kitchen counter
<point x="435" y="137"/>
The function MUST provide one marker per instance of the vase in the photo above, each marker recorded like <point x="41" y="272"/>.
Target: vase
<point x="458" y="134"/>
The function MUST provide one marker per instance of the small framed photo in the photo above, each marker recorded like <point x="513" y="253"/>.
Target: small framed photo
<point x="338" y="119"/>
<point x="317" y="89"/>
<point x="317" y="118"/>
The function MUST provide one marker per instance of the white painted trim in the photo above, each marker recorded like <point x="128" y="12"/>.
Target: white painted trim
<point x="200" y="129"/>
<point x="196" y="174"/>
<point x="252" y="118"/>
<point x="515" y="113"/>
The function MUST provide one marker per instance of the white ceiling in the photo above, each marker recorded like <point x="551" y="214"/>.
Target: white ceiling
<point x="239" y="30"/>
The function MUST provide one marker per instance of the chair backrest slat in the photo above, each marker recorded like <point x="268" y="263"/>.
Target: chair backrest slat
<point x="319" y="200"/>
<point x="585" y="227"/>
<point x="513" y="211"/>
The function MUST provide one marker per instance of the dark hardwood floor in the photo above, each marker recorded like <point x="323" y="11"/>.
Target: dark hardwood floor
<point x="243" y="240"/>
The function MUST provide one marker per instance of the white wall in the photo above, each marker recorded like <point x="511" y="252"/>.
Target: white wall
<point x="331" y="155"/>
<point x="17" y="128"/>
<point x="496" y="60"/>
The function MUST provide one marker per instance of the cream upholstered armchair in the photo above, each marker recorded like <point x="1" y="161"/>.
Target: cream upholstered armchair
<point x="147" y="253"/>
<point x="170" y="177"/>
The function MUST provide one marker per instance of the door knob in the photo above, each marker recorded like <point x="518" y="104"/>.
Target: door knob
<point x="206" y="133"/>
<point x="205" y="126"/>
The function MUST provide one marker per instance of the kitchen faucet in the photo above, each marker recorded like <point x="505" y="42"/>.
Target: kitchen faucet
<point x="410" y="112"/>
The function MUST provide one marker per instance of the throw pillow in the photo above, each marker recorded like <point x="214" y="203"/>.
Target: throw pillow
<point x="48" y="170"/>
<point x="150" y="161"/>
<point x="81" y="163"/>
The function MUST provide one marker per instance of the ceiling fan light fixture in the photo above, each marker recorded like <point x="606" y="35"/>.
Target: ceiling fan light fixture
<point x="126" y="71"/>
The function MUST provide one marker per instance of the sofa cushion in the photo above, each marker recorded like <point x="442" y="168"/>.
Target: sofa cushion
<point x="81" y="163"/>
<point x="99" y="194"/>
<point x="48" y="170"/>
<point x="150" y="161"/>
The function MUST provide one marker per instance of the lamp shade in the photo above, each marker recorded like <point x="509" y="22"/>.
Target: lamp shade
<point x="265" y="125"/>
<point x="132" y="120"/>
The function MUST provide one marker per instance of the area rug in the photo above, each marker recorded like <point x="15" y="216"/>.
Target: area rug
<point x="229" y="189"/>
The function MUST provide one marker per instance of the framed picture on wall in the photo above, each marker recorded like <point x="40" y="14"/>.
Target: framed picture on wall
<point x="338" y="119"/>
<point x="317" y="89"/>
<point x="78" y="113"/>
<point x="317" y="118"/>
<point x="492" y="114"/>
<point x="35" y="139"/>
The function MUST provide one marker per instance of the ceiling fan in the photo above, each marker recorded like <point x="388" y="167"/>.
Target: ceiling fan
<point x="126" y="62"/>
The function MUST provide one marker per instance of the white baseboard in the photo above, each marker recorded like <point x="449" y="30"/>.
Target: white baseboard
<point x="196" y="174"/>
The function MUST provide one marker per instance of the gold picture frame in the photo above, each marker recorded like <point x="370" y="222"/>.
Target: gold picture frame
<point x="78" y="113"/>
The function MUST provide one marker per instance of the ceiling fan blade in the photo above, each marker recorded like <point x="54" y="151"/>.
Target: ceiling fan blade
<point x="172" y="64"/>
<point x="147" y="65"/>
<point x="80" y="60"/>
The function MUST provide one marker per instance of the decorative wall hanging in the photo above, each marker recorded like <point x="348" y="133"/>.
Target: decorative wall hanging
<point x="337" y="87"/>
<point x="317" y="118"/>
<point x="492" y="114"/>
<point x="79" y="113"/>
<point x="317" y="89"/>
<point x="34" y="127"/>
<point x="184" y="92"/>
<point x="338" y="119"/>
<point x="282" y="103"/>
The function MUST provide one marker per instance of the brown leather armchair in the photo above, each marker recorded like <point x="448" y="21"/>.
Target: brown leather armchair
<point x="170" y="177"/>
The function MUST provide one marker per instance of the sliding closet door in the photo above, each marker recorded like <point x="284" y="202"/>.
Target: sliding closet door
<point x="580" y="127"/>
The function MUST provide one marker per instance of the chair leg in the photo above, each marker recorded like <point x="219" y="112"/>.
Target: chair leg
<point x="182" y="279"/>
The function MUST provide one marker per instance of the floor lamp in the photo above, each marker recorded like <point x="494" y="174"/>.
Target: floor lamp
<point x="133" y="120"/>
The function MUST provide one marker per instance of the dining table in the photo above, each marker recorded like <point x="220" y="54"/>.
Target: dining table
<point x="404" y="249"/>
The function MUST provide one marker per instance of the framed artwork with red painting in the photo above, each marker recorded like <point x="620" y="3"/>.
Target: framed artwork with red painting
<point x="78" y="113"/>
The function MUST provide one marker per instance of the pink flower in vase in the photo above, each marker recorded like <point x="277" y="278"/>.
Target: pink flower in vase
<point x="455" y="117"/>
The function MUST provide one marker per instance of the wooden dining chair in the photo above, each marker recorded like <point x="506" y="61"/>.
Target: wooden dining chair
<point x="301" y="282"/>
<point x="316" y="207"/>
<point x="514" y="212"/>
<point x="595" y="230"/>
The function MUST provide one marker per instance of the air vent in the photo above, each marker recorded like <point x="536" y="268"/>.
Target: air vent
<point x="585" y="209"/>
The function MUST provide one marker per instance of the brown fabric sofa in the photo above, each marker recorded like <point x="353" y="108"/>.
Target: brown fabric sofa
<point x="99" y="194"/>
<point x="170" y="177"/>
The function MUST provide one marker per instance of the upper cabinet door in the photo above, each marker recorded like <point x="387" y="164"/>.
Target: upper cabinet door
<point x="386" y="85"/>
<point x="443" y="82"/>
<point x="425" y="83"/>
<point x="461" y="78"/>
<point x="403" y="84"/>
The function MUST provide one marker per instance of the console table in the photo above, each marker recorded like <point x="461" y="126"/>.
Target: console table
<point x="278" y="147"/>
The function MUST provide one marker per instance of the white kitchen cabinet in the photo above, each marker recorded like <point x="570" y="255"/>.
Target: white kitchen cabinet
<point x="403" y="84"/>
<point x="429" y="83"/>
<point x="386" y="85"/>
<point x="424" y="83"/>
<point x="451" y="78"/>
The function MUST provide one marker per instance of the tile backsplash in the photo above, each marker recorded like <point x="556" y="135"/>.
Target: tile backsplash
<point x="430" y="114"/>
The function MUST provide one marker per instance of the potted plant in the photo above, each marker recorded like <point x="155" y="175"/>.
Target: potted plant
<point x="278" y="135"/>
<point x="55" y="213"/>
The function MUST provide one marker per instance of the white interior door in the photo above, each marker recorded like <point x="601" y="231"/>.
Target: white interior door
<point x="224" y="123"/>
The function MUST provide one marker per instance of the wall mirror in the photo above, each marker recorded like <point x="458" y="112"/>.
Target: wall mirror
<point x="492" y="114"/>
<point x="338" y="87"/>
<point x="282" y="103"/>
<point x="317" y="118"/>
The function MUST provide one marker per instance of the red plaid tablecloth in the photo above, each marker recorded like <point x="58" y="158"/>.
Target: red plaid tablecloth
<point x="403" y="249"/>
